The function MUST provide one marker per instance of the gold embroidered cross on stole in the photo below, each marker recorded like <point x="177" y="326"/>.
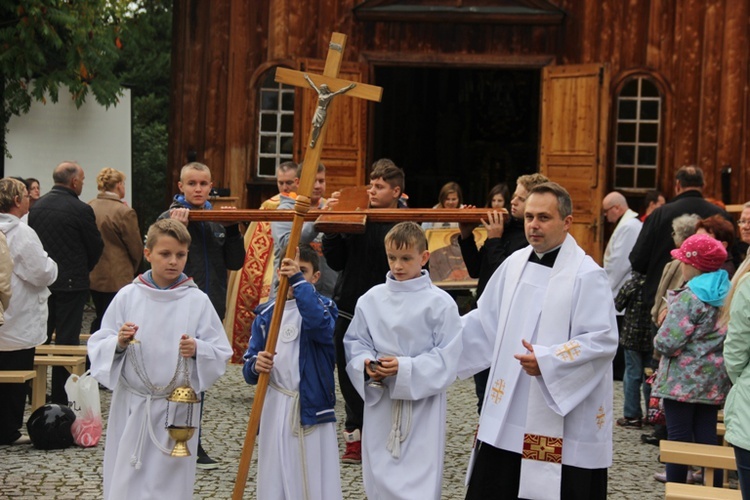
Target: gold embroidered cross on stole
<point x="601" y="416"/>
<point x="542" y="448"/>
<point x="498" y="390"/>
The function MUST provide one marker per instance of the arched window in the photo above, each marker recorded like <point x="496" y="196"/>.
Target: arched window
<point x="275" y="125"/>
<point x="638" y="114"/>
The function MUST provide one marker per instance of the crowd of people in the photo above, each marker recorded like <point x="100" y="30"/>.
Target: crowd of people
<point x="540" y="339"/>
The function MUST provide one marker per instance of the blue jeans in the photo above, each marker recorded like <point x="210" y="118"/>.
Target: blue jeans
<point x="690" y="423"/>
<point x="742" y="456"/>
<point x="632" y="383"/>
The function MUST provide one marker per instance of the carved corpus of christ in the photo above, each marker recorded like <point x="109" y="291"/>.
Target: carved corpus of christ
<point x="325" y="96"/>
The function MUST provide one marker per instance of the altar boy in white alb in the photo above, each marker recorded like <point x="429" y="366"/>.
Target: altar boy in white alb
<point x="412" y="330"/>
<point x="175" y="325"/>
<point x="545" y="326"/>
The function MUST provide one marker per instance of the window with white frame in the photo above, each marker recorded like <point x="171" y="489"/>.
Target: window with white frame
<point x="275" y="125"/>
<point x="637" y="134"/>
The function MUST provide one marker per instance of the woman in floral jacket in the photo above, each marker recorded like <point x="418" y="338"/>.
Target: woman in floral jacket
<point x="692" y="380"/>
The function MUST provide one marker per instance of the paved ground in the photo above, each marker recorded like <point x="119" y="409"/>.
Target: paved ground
<point x="75" y="473"/>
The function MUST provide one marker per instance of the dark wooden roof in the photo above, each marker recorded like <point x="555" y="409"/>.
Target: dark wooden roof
<point x="460" y="11"/>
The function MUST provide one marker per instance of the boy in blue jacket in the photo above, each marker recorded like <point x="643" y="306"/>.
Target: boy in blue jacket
<point x="297" y="447"/>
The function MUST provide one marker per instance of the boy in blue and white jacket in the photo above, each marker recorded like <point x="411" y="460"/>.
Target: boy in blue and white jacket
<point x="300" y="402"/>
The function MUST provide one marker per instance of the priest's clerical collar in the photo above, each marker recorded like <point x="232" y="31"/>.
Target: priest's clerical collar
<point x="546" y="259"/>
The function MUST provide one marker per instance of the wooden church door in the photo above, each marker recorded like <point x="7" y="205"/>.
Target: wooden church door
<point x="343" y="153"/>
<point x="573" y="144"/>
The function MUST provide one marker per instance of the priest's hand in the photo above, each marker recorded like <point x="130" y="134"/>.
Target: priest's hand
<point x="528" y="361"/>
<point x="264" y="362"/>
<point x="187" y="346"/>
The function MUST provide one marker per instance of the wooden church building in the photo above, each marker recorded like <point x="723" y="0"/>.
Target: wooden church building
<point x="596" y="94"/>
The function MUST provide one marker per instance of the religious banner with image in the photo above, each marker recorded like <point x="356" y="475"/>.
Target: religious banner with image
<point x="447" y="268"/>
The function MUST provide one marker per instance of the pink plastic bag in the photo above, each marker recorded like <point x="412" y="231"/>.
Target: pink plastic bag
<point x="83" y="399"/>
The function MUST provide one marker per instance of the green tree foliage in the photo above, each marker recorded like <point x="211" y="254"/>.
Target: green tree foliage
<point x="95" y="47"/>
<point x="144" y="67"/>
<point x="46" y="45"/>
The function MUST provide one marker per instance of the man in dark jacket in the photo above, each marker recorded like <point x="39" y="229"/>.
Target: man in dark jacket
<point x="651" y="251"/>
<point x="67" y="228"/>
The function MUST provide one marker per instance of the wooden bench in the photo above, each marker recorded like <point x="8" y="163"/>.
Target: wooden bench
<point x="62" y="350"/>
<point x="84" y="337"/>
<point x="16" y="376"/>
<point x="710" y="457"/>
<point x="74" y="364"/>
<point x="676" y="491"/>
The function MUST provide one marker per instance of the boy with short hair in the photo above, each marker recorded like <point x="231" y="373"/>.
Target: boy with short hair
<point x="172" y="320"/>
<point x="405" y="334"/>
<point x="362" y="261"/>
<point x="214" y="249"/>
<point x="297" y="447"/>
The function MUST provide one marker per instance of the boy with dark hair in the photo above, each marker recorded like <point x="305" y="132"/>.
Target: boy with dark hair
<point x="405" y="338"/>
<point x="298" y="460"/>
<point x="363" y="264"/>
<point x="168" y="315"/>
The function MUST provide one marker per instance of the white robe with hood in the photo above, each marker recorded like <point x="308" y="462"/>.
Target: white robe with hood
<point x="134" y="467"/>
<point x="418" y="323"/>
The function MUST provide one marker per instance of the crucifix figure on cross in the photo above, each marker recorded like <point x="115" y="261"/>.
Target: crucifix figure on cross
<point x="327" y="86"/>
<point x="325" y="96"/>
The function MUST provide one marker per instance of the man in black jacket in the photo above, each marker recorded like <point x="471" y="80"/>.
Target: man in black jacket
<point x="652" y="248"/>
<point x="651" y="251"/>
<point x="67" y="228"/>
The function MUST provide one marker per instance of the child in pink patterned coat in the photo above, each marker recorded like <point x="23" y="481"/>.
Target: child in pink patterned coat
<point x="691" y="379"/>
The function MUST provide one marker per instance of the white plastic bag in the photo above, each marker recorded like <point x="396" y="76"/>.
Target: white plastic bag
<point x="83" y="399"/>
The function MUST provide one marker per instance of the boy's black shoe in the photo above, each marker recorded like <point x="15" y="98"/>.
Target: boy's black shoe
<point x="650" y="439"/>
<point x="633" y="423"/>
<point x="204" y="461"/>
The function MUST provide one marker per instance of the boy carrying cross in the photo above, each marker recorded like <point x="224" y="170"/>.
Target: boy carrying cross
<point x="297" y="447"/>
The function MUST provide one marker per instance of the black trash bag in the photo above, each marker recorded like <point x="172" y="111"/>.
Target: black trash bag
<point x="49" y="427"/>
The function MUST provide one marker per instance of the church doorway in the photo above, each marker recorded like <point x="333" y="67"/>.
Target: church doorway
<point x="474" y="126"/>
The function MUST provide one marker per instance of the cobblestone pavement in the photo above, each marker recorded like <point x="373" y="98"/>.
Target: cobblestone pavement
<point x="75" y="473"/>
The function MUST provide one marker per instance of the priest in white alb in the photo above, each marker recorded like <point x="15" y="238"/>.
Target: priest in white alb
<point x="545" y="325"/>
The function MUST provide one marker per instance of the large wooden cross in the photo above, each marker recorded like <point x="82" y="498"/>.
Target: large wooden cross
<point x="327" y="86"/>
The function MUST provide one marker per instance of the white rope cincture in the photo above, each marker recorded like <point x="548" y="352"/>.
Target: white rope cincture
<point x="135" y="458"/>
<point x="397" y="436"/>
<point x="295" y="423"/>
